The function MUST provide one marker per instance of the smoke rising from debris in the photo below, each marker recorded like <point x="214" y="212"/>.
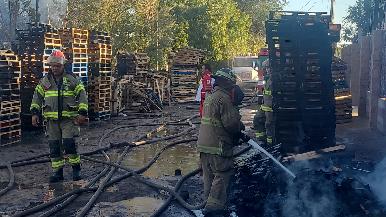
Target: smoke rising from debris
<point x="307" y="196"/>
<point x="52" y="11"/>
<point x="377" y="181"/>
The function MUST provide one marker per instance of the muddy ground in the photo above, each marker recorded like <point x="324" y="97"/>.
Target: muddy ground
<point x="129" y="197"/>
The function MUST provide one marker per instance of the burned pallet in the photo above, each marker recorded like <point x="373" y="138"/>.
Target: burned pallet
<point x="302" y="88"/>
<point x="10" y="106"/>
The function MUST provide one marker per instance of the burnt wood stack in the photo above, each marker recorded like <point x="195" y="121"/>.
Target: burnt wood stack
<point x="10" y="74"/>
<point x="300" y="55"/>
<point x="343" y="98"/>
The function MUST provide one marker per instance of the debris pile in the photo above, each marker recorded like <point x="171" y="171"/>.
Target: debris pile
<point x="184" y="73"/>
<point x="138" y="88"/>
<point x="343" y="99"/>
<point x="10" y="131"/>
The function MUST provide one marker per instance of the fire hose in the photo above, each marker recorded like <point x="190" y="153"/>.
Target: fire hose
<point x="75" y="193"/>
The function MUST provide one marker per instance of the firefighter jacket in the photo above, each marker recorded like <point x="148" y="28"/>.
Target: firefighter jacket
<point x="220" y="124"/>
<point x="59" y="99"/>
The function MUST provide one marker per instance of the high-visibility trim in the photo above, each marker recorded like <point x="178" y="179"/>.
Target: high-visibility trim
<point x="57" y="163"/>
<point x="266" y="108"/>
<point x="269" y="140"/>
<point x="211" y="121"/>
<point x="54" y="93"/>
<point x="74" y="159"/>
<point x="54" y="115"/>
<point x="39" y="89"/>
<point x="209" y="149"/>
<point x="78" y="89"/>
<point x="260" y="134"/>
<point x="82" y="106"/>
<point x="35" y="106"/>
<point x="267" y="92"/>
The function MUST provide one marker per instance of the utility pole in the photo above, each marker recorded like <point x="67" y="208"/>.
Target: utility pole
<point x="37" y="18"/>
<point x="332" y="10"/>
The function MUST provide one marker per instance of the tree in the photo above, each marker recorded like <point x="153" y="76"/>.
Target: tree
<point x="259" y="10"/>
<point x="358" y="20"/>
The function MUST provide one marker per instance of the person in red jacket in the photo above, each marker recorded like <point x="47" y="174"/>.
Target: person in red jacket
<point x="207" y="84"/>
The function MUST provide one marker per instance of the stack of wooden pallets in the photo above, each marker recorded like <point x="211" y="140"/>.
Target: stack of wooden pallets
<point x="343" y="98"/>
<point x="10" y="74"/>
<point x="100" y="74"/>
<point x="34" y="45"/>
<point x="184" y="73"/>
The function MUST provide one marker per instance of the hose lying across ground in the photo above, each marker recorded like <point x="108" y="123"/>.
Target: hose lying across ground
<point x="75" y="193"/>
<point x="11" y="180"/>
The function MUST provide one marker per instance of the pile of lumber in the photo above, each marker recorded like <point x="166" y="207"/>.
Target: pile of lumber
<point x="136" y="84"/>
<point x="343" y="98"/>
<point x="184" y="65"/>
<point x="10" y="122"/>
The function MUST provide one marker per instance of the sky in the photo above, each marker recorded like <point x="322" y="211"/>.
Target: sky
<point x="341" y="7"/>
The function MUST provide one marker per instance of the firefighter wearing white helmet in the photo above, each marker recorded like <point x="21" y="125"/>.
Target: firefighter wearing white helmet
<point x="61" y="99"/>
<point x="219" y="132"/>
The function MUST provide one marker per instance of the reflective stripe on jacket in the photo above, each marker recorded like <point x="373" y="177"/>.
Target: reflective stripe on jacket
<point x="220" y="124"/>
<point x="65" y="102"/>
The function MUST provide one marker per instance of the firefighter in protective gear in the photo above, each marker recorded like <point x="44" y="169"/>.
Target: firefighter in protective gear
<point x="219" y="132"/>
<point x="267" y="105"/>
<point x="206" y="85"/>
<point x="62" y="99"/>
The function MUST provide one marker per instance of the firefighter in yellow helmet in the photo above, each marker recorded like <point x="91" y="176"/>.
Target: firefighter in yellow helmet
<point x="219" y="132"/>
<point x="62" y="99"/>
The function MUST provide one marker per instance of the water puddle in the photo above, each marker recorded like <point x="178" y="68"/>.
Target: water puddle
<point x="183" y="157"/>
<point x="138" y="206"/>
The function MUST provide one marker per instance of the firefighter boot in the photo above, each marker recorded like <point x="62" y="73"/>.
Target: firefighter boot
<point x="57" y="176"/>
<point x="76" y="173"/>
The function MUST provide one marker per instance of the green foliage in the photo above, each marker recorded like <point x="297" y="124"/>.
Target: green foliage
<point x="358" y="20"/>
<point x="225" y="28"/>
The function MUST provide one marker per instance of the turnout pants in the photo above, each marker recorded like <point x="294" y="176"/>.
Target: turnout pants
<point x="61" y="138"/>
<point x="217" y="174"/>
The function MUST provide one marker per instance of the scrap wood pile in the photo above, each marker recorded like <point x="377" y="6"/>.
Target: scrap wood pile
<point x="136" y="97"/>
<point x="184" y="65"/>
<point x="10" y="122"/>
<point x="343" y="98"/>
<point x="138" y="88"/>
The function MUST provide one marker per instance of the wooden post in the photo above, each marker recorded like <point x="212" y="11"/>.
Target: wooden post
<point x="375" y="77"/>
<point x="354" y="77"/>
<point x="364" y="73"/>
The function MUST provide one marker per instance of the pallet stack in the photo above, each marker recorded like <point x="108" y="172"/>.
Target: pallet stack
<point x="343" y="98"/>
<point x="100" y="74"/>
<point x="52" y="42"/>
<point x="184" y="73"/>
<point x="300" y="55"/>
<point x="134" y="66"/>
<point x="10" y="122"/>
<point x="34" y="44"/>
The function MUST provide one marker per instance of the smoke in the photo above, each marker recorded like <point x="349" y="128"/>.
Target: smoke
<point x="377" y="181"/>
<point x="310" y="195"/>
<point x="51" y="11"/>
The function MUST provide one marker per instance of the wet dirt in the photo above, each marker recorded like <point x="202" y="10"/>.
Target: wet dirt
<point x="130" y="198"/>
